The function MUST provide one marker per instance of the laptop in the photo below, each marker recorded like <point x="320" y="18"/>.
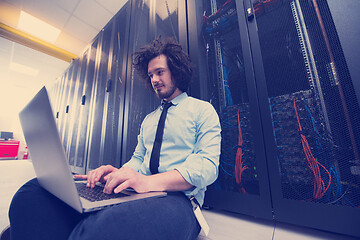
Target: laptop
<point x="50" y="162"/>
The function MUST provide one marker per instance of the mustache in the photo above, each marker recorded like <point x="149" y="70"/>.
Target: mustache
<point x="157" y="85"/>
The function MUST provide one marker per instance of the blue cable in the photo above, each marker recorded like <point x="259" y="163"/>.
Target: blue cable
<point x="226" y="171"/>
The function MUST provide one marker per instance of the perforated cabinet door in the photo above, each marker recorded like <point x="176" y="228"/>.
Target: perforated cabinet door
<point x="310" y="115"/>
<point x="226" y="72"/>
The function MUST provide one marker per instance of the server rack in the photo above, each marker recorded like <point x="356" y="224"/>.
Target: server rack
<point x="65" y="104"/>
<point x="90" y="98"/>
<point x="57" y="97"/>
<point x="104" y="126"/>
<point x="311" y="120"/>
<point x="61" y="112"/>
<point x="97" y="108"/>
<point x="76" y="112"/>
<point x="309" y="113"/>
<point x="81" y="135"/>
<point x="70" y="107"/>
<point x="116" y="94"/>
<point x="227" y="81"/>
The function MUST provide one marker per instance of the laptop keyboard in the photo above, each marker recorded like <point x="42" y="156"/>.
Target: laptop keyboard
<point x="96" y="193"/>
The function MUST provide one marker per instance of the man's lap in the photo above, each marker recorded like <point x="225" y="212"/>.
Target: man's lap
<point x="169" y="217"/>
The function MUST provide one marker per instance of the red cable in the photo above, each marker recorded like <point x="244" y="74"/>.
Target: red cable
<point x="227" y="2"/>
<point x="319" y="185"/>
<point x="239" y="168"/>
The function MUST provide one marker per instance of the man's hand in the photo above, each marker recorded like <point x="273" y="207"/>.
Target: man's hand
<point x="116" y="179"/>
<point x="97" y="175"/>
<point x="119" y="179"/>
<point x="125" y="178"/>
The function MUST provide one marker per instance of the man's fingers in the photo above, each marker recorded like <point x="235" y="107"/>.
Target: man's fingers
<point x="94" y="176"/>
<point x="113" y="181"/>
<point x="122" y="186"/>
<point x="84" y="177"/>
<point x="110" y="184"/>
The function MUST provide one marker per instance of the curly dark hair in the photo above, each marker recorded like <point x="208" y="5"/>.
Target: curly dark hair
<point x="178" y="61"/>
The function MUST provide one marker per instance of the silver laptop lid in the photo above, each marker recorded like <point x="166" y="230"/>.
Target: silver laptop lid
<point x="46" y="149"/>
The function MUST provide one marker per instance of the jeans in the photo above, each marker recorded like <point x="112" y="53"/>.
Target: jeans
<point x="36" y="214"/>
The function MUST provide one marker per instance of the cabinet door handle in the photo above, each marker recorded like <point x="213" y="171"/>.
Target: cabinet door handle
<point x="108" y="86"/>
<point x="83" y="99"/>
<point x="250" y="14"/>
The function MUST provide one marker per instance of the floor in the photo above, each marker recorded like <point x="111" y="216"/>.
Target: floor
<point x="13" y="174"/>
<point x="231" y="226"/>
<point x="223" y="225"/>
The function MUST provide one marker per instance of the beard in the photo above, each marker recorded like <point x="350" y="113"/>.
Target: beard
<point x="167" y="93"/>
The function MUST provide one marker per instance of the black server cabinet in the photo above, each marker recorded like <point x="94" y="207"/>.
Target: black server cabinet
<point x="289" y="107"/>
<point x="76" y="112"/>
<point x="90" y="98"/>
<point x="149" y="19"/>
<point x="70" y="107"/>
<point x="53" y="94"/>
<point x="219" y="45"/>
<point x="62" y="97"/>
<point x="310" y="114"/>
<point x="61" y="112"/>
<point x="58" y="97"/>
<point x="105" y="123"/>
<point x="115" y="91"/>
<point x="97" y="108"/>
<point x="108" y="99"/>
<point x="79" y="147"/>
<point x="100" y="103"/>
<point x="69" y="89"/>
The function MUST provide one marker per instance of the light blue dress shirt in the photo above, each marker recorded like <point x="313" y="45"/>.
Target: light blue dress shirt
<point x="191" y="143"/>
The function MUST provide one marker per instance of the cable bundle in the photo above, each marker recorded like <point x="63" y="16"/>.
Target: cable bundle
<point x="239" y="168"/>
<point x="319" y="185"/>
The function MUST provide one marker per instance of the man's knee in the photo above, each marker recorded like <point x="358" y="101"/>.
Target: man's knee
<point x="23" y="196"/>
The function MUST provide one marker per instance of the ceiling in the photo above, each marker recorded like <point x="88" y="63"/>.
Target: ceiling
<point x="79" y="22"/>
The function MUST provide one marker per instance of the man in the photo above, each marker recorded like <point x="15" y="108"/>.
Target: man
<point x="188" y="161"/>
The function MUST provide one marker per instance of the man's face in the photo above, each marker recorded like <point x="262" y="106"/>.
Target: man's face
<point x="161" y="79"/>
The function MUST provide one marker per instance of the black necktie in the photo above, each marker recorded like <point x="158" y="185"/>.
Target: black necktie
<point x="155" y="154"/>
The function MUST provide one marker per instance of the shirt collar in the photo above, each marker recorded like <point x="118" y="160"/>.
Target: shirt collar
<point x="177" y="100"/>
